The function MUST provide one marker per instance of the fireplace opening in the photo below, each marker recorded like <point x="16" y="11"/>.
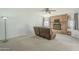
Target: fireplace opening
<point x="57" y="24"/>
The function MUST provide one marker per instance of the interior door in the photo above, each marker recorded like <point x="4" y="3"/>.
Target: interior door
<point x="76" y="21"/>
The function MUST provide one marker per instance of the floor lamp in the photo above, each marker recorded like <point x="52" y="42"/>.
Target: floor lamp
<point x="5" y="18"/>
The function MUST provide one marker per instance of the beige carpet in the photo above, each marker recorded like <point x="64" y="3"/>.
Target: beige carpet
<point x="35" y="43"/>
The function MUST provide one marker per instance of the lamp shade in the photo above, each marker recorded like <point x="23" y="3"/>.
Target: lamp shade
<point x="4" y="17"/>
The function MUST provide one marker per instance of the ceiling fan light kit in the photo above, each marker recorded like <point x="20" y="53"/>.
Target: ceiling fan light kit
<point x="48" y="12"/>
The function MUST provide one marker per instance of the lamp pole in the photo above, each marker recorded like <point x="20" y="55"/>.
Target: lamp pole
<point x="5" y="18"/>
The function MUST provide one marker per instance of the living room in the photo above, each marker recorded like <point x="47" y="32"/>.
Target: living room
<point x="20" y="35"/>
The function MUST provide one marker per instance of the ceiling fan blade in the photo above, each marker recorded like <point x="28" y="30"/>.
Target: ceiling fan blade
<point x="48" y="10"/>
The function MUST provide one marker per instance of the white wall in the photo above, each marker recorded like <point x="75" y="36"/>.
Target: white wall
<point x="20" y="21"/>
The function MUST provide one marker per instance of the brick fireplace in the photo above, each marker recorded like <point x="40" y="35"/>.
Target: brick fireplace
<point x="58" y="23"/>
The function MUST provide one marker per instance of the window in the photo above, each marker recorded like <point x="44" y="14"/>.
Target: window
<point x="46" y="22"/>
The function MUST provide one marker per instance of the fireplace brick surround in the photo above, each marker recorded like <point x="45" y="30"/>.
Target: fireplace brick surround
<point x="63" y="21"/>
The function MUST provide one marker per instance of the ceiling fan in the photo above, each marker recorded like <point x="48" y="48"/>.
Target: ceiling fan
<point x="48" y="10"/>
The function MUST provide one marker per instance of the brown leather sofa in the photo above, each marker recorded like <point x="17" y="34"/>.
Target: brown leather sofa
<point x="44" y="32"/>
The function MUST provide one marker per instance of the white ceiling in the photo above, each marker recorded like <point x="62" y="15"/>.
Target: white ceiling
<point x="63" y="10"/>
<point x="9" y="11"/>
